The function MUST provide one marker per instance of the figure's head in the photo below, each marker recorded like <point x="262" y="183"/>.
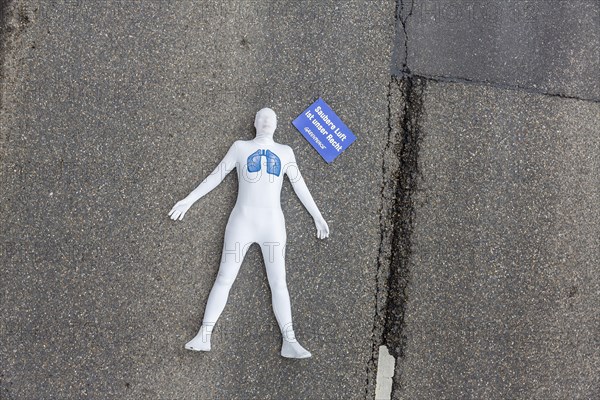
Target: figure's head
<point x="265" y="122"/>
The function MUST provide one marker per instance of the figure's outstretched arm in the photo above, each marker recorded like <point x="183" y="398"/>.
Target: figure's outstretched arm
<point x="299" y="185"/>
<point x="225" y="167"/>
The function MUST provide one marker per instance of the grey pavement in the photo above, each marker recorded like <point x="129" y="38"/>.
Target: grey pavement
<point x="464" y="219"/>
<point x="548" y="46"/>
<point x="504" y="292"/>
<point x="123" y="108"/>
<point x="494" y="260"/>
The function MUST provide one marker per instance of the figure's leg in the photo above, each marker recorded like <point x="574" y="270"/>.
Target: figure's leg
<point x="274" y="257"/>
<point x="234" y="251"/>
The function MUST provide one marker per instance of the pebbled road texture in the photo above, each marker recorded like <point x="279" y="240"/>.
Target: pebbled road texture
<point x="120" y="109"/>
<point x="464" y="218"/>
<point x="544" y="46"/>
<point x="494" y="259"/>
<point x="502" y="290"/>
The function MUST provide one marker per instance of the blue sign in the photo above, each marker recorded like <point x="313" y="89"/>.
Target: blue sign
<point x="324" y="130"/>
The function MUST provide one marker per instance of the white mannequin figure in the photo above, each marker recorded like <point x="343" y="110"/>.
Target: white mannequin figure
<point x="256" y="218"/>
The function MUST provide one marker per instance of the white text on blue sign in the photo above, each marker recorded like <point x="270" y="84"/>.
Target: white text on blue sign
<point x="324" y="130"/>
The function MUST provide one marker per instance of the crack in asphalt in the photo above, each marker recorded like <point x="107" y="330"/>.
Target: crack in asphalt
<point x="401" y="36"/>
<point x="399" y="170"/>
<point x="407" y="152"/>
<point x="389" y="173"/>
<point x="497" y="85"/>
<point x="401" y="176"/>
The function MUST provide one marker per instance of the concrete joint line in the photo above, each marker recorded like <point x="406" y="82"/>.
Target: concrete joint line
<point x="497" y="85"/>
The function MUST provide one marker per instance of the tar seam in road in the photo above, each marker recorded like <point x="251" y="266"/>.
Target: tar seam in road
<point x="400" y="180"/>
<point x="496" y="85"/>
<point x="402" y="14"/>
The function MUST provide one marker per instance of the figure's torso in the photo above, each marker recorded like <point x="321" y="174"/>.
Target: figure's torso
<point x="260" y="171"/>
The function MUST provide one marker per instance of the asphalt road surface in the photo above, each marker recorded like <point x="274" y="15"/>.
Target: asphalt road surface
<point x="464" y="219"/>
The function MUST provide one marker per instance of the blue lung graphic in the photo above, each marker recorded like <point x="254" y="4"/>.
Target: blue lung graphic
<point x="273" y="162"/>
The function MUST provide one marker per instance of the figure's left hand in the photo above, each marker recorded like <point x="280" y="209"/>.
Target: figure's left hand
<point x="322" y="228"/>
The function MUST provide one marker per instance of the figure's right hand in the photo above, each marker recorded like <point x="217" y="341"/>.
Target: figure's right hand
<point x="322" y="228"/>
<point x="179" y="209"/>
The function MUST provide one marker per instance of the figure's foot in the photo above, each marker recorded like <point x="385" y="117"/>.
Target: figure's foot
<point x="201" y="342"/>
<point x="294" y="350"/>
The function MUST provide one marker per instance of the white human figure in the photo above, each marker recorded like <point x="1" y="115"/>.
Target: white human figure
<point x="256" y="217"/>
